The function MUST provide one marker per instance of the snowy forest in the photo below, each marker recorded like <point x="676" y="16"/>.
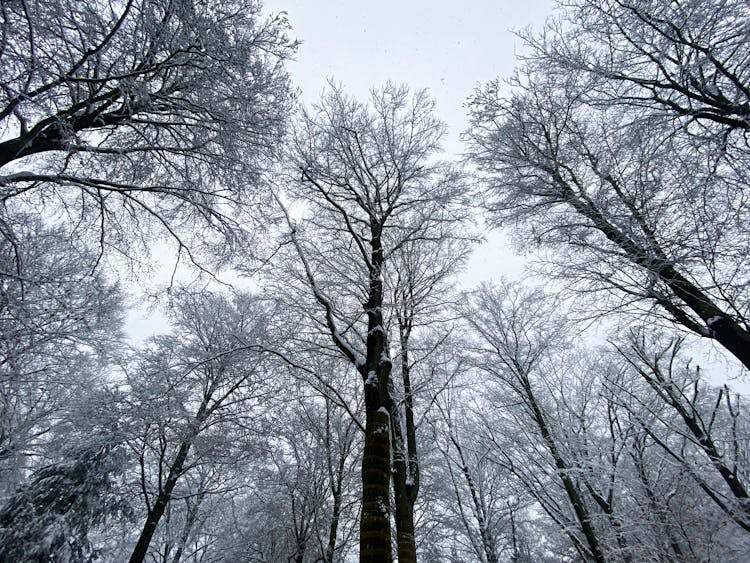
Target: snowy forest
<point x="324" y="388"/>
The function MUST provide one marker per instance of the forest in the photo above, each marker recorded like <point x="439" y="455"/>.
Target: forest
<point x="325" y="389"/>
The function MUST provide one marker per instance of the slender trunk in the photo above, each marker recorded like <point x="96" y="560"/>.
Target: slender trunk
<point x="333" y="529"/>
<point x="574" y="495"/>
<point x="337" y="480"/>
<point x="192" y="515"/>
<point x="515" y="556"/>
<point x="301" y="531"/>
<point x="157" y="511"/>
<point x="480" y="512"/>
<point x="165" y="494"/>
<point x="405" y="461"/>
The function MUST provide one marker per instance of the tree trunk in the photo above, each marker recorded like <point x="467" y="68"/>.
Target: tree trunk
<point x="375" y="525"/>
<point x="333" y="529"/>
<point x="165" y="494"/>
<point x="515" y="556"/>
<point x="404" y="513"/>
<point x="157" y="511"/>
<point x="405" y="461"/>
<point x="574" y="495"/>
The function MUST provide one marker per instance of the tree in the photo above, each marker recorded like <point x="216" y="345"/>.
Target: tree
<point x="60" y="329"/>
<point x="686" y="59"/>
<point x="371" y="187"/>
<point x="191" y="390"/>
<point x="465" y="471"/>
<point x="621" y="446"/>
<point x="49" y="518"/>
<point x="480" y="501"/>
<point x="516" y="332"/>
<point x="312" y="452"/>
<point x="123" y="115"/>
<point x="421" y="298"/>
<point x="608" y="149"/>
<point x="708" y="421"/>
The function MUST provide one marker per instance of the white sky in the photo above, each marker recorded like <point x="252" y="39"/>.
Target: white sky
<point x="446" y="47"/>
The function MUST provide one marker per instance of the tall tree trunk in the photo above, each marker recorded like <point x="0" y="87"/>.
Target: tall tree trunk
<point x="336" y="480"/>
<point x="165" y="494"/>
<point x="405" y="459"/>
<point x="375" y="524"/>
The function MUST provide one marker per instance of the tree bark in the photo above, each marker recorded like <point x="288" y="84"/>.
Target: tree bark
<point x="405" y="461"/>
<point x="404" y="516"/>
<point x="375" y="525"/>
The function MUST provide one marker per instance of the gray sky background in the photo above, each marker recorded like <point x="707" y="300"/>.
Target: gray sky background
<point x="447" y="48"/>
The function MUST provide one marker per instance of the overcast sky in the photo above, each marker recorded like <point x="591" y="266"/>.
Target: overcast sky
<point x="444" y="46"/>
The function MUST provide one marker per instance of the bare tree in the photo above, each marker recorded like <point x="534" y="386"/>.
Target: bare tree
<point x="708" y="421"/>
<point x="516" y="331"/>
<point x="466" y="467"/>
<point x="191" y="389"/>
<point x="371" y="187"/>
<point x="119" y="116"/>
<point x="624" y="449"/>
<point x="631" y="198"/>
<point x="685" y="59"/>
